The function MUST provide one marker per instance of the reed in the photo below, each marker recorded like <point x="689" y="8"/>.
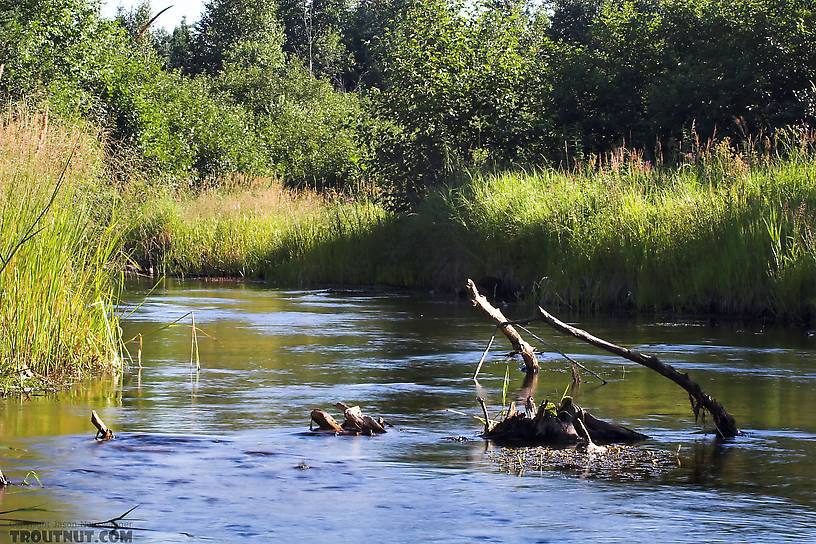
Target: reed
<point x="58" y="236"/>
<point x="726" y="230"/>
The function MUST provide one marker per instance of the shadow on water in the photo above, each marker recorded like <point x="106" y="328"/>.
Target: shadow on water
<point x="227" y="457"/>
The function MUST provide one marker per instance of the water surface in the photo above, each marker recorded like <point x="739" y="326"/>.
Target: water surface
<point x="221" y="456"/>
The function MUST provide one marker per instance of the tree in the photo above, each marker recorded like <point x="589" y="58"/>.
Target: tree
<point x="134" y="19"/>
<point x="465" y="82"/>
<point x="314" y="32"/>
<point x="177" y="48"/>
<point x="225" y="24"/>
<point x="368" y="22"/>
<point x="571" y="20"/>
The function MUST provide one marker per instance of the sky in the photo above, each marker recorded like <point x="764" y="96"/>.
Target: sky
<point x="169" y="19"/>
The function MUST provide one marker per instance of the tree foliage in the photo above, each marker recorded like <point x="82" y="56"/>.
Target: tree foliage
<point x="464" y="82"/>
<point x="331" y="91"/>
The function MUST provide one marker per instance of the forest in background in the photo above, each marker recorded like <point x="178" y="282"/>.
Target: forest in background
<point x="408" y="93"/>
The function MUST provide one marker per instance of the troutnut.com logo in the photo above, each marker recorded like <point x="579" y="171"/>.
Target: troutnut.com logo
<point x="76" y="535"/>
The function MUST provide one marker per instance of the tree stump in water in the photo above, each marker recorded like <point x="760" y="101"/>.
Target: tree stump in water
<point x="552" y="425"/>
<point x="550" y="430"/>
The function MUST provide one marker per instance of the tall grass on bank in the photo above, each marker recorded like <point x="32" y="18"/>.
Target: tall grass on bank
<point x="730" y="230"/>
<point x="56" y="290"/>
<point x="263" y="230"/>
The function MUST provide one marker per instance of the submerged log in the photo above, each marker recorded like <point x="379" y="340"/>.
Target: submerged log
<point x="325" y="422"/>
<point x="102" y="431"/>
<point x="519" y="345"/>
<point x="724" y="423"/>
<point x="566" y="425"/>
<point x="355" y="422"/>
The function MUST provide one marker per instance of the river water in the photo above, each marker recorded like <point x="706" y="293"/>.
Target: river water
<point x="222" y="456"/>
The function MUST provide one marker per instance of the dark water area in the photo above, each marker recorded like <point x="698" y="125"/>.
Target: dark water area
<point x="221" y="456"/>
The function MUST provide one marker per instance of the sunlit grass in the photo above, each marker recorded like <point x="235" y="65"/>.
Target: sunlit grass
<point x="56" y="290"/>
<point x="264" y="231"/>
<point x="725" y="231"/>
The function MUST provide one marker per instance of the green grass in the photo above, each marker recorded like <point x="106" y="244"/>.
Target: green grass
<point x="57" y="288"/>
<point x="267" y="231"/>
<point x="726" y="232"/>
<point x="722" y="235"/>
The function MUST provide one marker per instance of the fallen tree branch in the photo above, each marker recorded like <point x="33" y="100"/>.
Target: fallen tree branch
<point x="103" y="433"/>
<point x="526" y="350"/>
<point x="723" y="421"/>
<point x="572" y="361"/>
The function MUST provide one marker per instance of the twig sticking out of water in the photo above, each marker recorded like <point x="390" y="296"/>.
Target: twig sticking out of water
<point x="487" y="417"/>
<point x="487" y="349"/>
<point x="112" y="523"/>
<point x="194" y="346"/>
<point x="139" y="352"/>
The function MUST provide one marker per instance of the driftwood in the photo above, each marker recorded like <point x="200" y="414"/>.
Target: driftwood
<point x="519" y="345"/>
<point x="102" y="431"/>
<point x="565" y="425"/>
<point x="723" y="421"/>
<point x="325" y="422"/>
<point x="355" y="422"/>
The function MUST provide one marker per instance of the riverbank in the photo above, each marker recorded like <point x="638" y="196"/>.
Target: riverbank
<point x="726" y="233"/>
<point x="60" y="249"/>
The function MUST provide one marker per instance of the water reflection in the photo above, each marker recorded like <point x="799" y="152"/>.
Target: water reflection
<point x="217" y="456"/>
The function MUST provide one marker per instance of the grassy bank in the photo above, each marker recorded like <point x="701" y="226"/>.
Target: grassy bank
<point x="725" y="235"/>
<point x="57" y="242"/>
<point x="264" y="231"/>
<point x="727" y="232"/>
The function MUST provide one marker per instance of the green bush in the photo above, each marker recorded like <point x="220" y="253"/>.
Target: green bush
<point x="85" y="65"/>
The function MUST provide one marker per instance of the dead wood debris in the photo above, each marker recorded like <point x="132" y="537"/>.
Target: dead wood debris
<point x="726" y="426"/>
<point x="567" y="424"/>
<point x="354" y="423"/>
<point x="103" y="433"/>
